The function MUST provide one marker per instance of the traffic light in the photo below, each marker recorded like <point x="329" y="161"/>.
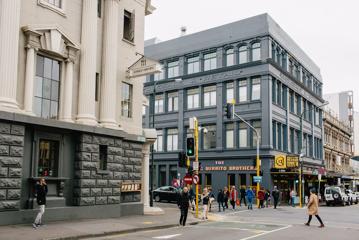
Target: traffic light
<point x="228" y="110"/>
<point x="190" y="146"/>
<point x="182" y="159"/>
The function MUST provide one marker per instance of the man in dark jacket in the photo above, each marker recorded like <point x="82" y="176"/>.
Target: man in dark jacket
<point x="40" y="193"/>
<point x="275" y="194"/>
<point x="183" y="203"/>
<point x="243" y="196"/>
<point x="220" y="200"/>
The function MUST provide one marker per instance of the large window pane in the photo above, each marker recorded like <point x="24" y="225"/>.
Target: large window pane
<point x="45" y="108"/>
<point x="173" y="69"/>
<point x="243" y="132"/>
<point x="210" y="96"/>
<point x="47" y="68"/>
<point x="55" y="70"/>
<point x="54" y="110"/>
<point x="46" y="88"/>
<point x="48" y="158"/>
<point x="229" y="136"/>
<point x="210" y="61"/>
<point x="209" y="138"/>
<point x="38" y="86"/>
<point x="172" y="139"/>
<point x="37" y="106"/>
<point x="230" y="92"/>
<point x="126" y="100"/>
<point x="229" y="57"/>
<point x="243" y="54"/>
<point x="55" y="91"/>
<point x="192" y="65"/>
<point x="39" y="65"/>
<point x="256" y="51"/>
<point x="243" y="91"/>
<point x="256" y="89"/>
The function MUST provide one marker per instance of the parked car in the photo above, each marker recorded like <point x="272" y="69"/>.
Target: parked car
<point x="166" y="193"/>
<point x="335" y="195"/>
<point x="353" y="198"/>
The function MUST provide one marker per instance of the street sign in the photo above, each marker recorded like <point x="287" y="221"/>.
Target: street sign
<point x="195" y="179"/>
<point x="280" y="162"/>
<point x="188" y="179"/>
<point x="257" y="179"/>
<point x="195" y="166"/>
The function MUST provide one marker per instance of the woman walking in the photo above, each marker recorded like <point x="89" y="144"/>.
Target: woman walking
<point x="205" y="202"/>
<point x="41" y="191"/>
<point x="225" y="197"/>
<point x="313" y="208"/>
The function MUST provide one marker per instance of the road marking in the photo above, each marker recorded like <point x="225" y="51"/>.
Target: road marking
<point x="167" y="236"/>
<point x="267" y="232"/>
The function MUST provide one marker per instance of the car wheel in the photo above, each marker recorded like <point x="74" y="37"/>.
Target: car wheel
<point x="157" y="198"/>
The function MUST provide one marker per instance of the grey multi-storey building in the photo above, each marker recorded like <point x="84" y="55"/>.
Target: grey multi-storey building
<point x="273" y="83"/>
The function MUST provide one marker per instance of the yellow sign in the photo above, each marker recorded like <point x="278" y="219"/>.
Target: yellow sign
<point x="292" y="161"/>
<point x="280" y="162"/>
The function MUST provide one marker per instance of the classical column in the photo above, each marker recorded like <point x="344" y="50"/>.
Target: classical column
<point x="146" y="175"/>
<point x="87" y="83"/>
<point x="109" y="65"/>
<point x="9" y="48"/>
<point x="68" y="85"/>
<point x="29" y="79"/>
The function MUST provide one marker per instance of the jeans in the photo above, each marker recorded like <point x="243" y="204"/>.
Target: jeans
<point x="292" y="199"/>
<point x="183" y="218"/>
<point x="243" y="199"/>
<point x="221" y="204"/>
<point x="39" y="215"/>
<point x="250" y="203"/>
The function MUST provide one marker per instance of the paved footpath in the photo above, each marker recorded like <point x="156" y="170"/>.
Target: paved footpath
<point x="94" y="227"/>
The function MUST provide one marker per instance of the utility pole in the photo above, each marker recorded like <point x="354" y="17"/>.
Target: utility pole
<point x="196" y="158"/>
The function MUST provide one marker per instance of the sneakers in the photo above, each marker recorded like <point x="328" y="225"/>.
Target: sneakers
<point x="321" y="226"/>
<point x="34" y="225"/>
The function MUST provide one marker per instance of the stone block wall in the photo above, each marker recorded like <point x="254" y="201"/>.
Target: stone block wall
<point x="11" y="157"/>
<point x="93" y="186"/>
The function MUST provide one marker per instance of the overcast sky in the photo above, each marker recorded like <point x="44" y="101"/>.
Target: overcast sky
<point x="327" y="30"/>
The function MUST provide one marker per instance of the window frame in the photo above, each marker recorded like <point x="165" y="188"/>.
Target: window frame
<point x="194" y="93"/>
<point x="243" y="51"/>
<point x="60" y="10"/>
<point x="230" y="55"/>
<point x="128" y="101"/>
<point x="173" y="69"/>
<point x="211" y="92"/>
<point x="172" y="102"/>
<point x="172" y="136"/>
<point x="256" y="51"/>
<point x="191" y="64"/>
<point x="256" y="84"/>
<point x="211" y="57"/>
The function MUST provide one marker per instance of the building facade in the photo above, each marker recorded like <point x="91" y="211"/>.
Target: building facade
<point x="68" y="111"/>
<point x="273" y="82"/>
<point x="337" y="150"/>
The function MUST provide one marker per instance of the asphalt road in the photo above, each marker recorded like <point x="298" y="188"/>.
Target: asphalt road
<point x="283" y="223"/>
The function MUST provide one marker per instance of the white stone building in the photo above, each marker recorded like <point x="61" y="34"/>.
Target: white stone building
<point x="69" y="112"/>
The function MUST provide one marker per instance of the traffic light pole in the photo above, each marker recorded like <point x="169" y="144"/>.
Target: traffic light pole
<point x="196" y="159"/>
<point x="258" y="164"/>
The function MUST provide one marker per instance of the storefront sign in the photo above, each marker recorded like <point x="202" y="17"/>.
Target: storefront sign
<point x="130" y="187"/>
<point x="280" y="162"/>
<point x="144" y="66"/>
<point x="229" y="168"/>
<point x="292" y="161"/>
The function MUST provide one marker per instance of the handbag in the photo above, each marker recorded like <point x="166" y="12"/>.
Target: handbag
<point x="238" y="202"/>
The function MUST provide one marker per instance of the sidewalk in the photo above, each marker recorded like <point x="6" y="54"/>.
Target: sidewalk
<point x="94" y="227"/>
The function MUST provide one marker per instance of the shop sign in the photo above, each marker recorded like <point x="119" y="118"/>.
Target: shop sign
<point x="130" y="187"/>
<point x="144" y="66"/>
<point x="229" y="168"/>
<point x="292" y="161"/>
<point x="280" y="162"/>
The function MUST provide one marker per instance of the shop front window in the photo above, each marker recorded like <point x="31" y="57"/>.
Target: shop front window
<point x="48" y="158"/>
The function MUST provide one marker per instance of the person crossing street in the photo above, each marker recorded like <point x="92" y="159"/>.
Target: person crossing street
<point x="313" y="206"/>
<point x="183" y="204"/>
<point x="275" y="195"/>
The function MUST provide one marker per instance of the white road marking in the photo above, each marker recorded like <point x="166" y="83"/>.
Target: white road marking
<point x="167" y="236"/>
<point x="267" y="232"/>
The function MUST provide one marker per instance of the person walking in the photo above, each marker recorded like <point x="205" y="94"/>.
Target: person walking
<point x="292" y="195"/>
<point x="205" y="202"/>
<point x="275" y="195"/>
<point x="266" y="198"/>
<point x="225" y="197"/>
<point x="261" y="197"/>
<point x="243" y="196"/>
<point x="40" y="193"/>
<point x="192" y="198"/>
<point x="220" y="200"/>
<point x="233" y="197"/>
<point x="250" y="196"/>
<point x="183" y="204"/>
<point x="313" y="206"/>
<point x="211" y="198"/>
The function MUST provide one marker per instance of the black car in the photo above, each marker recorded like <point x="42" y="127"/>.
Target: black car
<point x="166" y="193"/>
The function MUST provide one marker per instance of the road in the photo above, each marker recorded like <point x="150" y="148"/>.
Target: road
<point x="282" y="223"/>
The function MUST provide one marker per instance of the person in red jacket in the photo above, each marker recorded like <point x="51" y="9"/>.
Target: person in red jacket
<point x="233" y="196"/>
<point x="261" y="197"/>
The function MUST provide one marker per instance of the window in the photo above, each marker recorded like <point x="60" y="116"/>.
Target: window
<point x="192" y="98"/>
<point x="279" y="136"/>
<point x="284" y="60"/>
<point x="103" y="157"/>
<point x="316" y="116"/>
<point x="274" y="91"/>
<point x="173" y="69"/>
<point x="243" y="90"/>
<point x="256" y="88"/>
<point x="210" y="61"/>
<point x="298" y="100"/>
<point x="230" y="92"/>
<point x="296" y="72"/>
<point x="173" y="173"/>
<point x="129" y="26"/>
<point x="47" y="84"/>
<point x="256" y="51"/>
<point x="278" y="57"/>
<point x="274" y="134"/>
<point x="126" y="102"/>
<point x="291" y="67"/>
<point x="229" y="135"/>
<point x="48" y="158"/>
<point x="193" y="65"/>
<point x="99" y="7"/>
<point x="159" y="103"/>
<point x="56" y="3"/>
<point x="229" y="57"/>
<point x="257" y="125"/>
<point x="284" y="96"/>
<point x="158" y="144"/>
<point x="291" y="99"/>
<point x="296" y="104"/>
<point x="97" y="87"/>
<point x="160" y="75"/>
<point x="172" y="139"/>
<point x="209" y="138"/>
<point x="243" y="132"/>
<point x="162" y="176"/>
<point x="208" y="180"/>
<point x="243" y="54"/>
<point x="210" y="96"/>
<point x="172" y="101"/>
<point x="279" y="94"/>
<point x="291" y="138"/>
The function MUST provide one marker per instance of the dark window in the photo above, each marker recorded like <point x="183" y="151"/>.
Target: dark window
<point x="46" y="89"/>
<point x="99" y="5"/>
<point x="208" y="178"/>
<point x="48" y="158"/>
<point x="103" y="157"/>
<point x="129" y="26"/>
<point x="97" y="87"/>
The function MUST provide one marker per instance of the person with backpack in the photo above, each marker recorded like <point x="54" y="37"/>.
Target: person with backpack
<point x="40" y="193"/>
